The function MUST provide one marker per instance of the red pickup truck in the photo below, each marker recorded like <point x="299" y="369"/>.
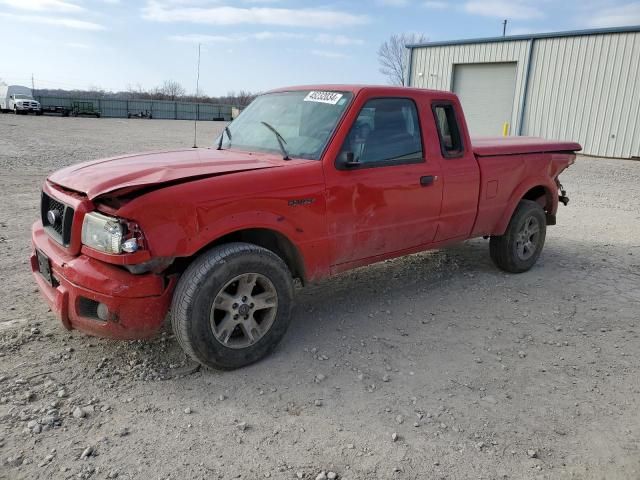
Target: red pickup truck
<point x="306" y="183"/>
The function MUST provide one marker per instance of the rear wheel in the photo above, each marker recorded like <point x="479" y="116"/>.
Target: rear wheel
<point x="232" y="306"/>
<point x="519" y="248"/>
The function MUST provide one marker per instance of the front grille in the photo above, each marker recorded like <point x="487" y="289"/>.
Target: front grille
<point x="60" y="228"/>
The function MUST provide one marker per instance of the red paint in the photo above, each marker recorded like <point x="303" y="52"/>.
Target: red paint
<point x="184" y="200"/>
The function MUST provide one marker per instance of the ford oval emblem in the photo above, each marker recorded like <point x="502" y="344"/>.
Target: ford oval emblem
<point x="52" y="217"/>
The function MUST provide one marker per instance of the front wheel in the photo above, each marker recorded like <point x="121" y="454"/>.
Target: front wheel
<point x="519" y="248"/>
<point x="232" y="305"/>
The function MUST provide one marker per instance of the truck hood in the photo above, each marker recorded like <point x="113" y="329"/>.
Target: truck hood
<point x="133" y="172"/>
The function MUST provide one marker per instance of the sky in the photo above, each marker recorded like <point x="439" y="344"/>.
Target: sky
<point x="253" y="45"/>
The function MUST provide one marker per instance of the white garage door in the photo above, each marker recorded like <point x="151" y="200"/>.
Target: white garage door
<point x="486" y="91"/>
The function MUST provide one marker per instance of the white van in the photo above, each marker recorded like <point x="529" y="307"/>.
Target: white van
<point x="18" y="99"/>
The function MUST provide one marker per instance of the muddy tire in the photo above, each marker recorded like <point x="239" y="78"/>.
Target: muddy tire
<point x="232" y="305"/>
<point x="519" y="248"/>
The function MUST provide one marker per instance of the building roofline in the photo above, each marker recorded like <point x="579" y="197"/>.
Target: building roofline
<point x="533" y="36"/>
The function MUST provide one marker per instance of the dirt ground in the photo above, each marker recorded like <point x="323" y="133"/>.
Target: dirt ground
<point x="480" y="374"/>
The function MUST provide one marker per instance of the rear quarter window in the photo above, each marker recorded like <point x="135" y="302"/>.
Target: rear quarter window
<point x="448" y="130"/>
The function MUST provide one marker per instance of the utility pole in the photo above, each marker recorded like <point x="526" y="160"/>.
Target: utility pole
<point x="33" y="85"/>
<point x="504" y="28"/>
<point x="195" y="122"/>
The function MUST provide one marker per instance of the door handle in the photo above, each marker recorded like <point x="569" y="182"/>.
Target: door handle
<point x="427" y="180"/>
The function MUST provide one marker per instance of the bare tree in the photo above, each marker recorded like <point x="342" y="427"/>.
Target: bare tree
<point x="171" y="89"/>
<point x="243" y="98"/>
<point x="393" y="56"/>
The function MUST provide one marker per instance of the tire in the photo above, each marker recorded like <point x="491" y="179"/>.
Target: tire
<point x="216" y="335"/>
<point x="519" y="248"/>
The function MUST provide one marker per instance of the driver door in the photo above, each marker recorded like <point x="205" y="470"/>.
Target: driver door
<point x="383" y="196"/>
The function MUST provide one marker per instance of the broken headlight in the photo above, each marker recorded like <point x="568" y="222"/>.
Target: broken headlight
<point x="108" y="234"/>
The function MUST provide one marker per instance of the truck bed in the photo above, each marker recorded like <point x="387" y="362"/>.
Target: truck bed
<point x="492" y="146"/>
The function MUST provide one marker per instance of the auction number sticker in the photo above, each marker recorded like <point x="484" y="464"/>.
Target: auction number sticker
<point x="332" y="98"/>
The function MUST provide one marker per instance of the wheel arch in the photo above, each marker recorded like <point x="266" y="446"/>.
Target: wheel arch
<point x="540" y="194"/>
<point x="542" y="191"/>
<point x="268" y="238"/>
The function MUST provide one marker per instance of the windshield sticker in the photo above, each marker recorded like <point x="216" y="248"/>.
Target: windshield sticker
<point x="332" y="98"/>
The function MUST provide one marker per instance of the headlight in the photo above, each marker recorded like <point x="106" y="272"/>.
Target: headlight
<point x="107" y="234"/>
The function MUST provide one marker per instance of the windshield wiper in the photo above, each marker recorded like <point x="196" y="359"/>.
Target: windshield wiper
<point x="228" y="132"/>
<point x="281" y="141"/>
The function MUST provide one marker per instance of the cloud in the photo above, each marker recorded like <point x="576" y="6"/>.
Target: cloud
<point x="618" y="16"/>
<point x="393" y="3"/>
<point x="235" y="38"/>
<point x="502" y="9"/>
<point x="204" y="39"/>
<point x="328" y="54"/>
<point x="79" y="46"/>
<point x="338" y="40"/>
<point x="43" y="5"/>
<point x="325" y="39"/>
<point x="63" y="22"/>
<point x="163" y="11"/>
<point x="436" y="5"/>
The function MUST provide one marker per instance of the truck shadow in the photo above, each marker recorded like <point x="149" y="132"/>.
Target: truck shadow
<point x="416" y="283"/>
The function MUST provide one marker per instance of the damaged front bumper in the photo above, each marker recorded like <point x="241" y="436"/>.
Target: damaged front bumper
<point x="98" y="298"/>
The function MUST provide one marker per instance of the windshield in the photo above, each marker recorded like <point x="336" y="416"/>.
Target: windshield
<point x="304" y="121"/>
<point x="23" y="97"/>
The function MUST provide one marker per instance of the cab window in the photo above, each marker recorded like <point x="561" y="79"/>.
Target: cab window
<point x="448" y="131"/>
<point x="386" y="132"/>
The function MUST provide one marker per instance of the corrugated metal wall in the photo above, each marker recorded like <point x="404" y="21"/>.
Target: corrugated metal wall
<point x="157" y="108"/>
<point x="587" y="89"/>
<point x="433" y="67"/>
<point x="584" y="88"/>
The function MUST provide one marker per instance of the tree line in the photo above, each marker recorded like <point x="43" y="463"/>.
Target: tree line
<point x="168" y="90"/>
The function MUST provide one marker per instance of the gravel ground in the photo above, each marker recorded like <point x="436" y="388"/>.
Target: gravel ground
<point x="434" y="366"/>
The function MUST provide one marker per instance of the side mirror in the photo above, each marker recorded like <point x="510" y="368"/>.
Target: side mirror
<point x="349" y="160"/>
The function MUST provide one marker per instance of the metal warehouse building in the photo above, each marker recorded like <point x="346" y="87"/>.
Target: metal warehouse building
<point x="581" y="85"/>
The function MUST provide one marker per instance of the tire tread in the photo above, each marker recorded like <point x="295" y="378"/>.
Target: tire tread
<point x="193" y="278"/>
<point x="500" y="247"/>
